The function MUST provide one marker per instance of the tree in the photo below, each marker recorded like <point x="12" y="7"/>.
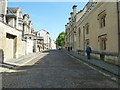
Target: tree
<point x="60" y="40"/>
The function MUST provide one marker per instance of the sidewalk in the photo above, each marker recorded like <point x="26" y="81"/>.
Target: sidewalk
<point x="16" y="62"/>
<point x="98" y="63"/>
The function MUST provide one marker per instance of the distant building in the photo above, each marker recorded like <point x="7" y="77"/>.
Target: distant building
<point x="53" y="44"/>
<point x="46" y="37"/>
<point x="47" y="42"/>
<point x="38" y="42"/>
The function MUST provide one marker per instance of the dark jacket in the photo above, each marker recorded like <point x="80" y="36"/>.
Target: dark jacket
<point x="88" y="49"/>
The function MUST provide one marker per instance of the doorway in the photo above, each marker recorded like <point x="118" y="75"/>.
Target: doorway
<point x="11" y="45"/>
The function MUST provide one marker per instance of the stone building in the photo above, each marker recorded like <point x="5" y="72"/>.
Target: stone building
<point x="43" y="41"/>
<point x="46" y="37"/>
<point x="52" y="44"/>
<point x="15" y="32"/>
<point x="14" y="18"/>
<point x="38" y="42"/>
<point x="10" y="40"/>
<point x="96" y="25"/>
<point x="27" y="34"/>
<point x="3" y="9"/>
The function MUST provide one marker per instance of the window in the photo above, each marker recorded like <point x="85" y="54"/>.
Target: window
<point x="20" y="14"/>
<point x="7" y="20"/>
<point x="87" y="28"/>
<point x="102" y="19"/>
<point x="29" y="37"/>
<point x="20" y="22"/>
<point x="102" y="22"/>
<point x="102" y="42"/>
<point x="87" y="42"/>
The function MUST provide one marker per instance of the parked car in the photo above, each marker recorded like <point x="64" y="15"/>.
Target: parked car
<point x="59" y="48"/>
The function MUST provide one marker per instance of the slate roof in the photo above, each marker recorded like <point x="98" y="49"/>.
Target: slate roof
<point x="13" y="10"/>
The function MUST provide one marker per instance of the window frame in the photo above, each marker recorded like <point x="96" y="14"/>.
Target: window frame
<point x="87" y="42"/>
<point x="102" y="42"/>
<point x="87" y="28"/>
<point x="102" y="19"/>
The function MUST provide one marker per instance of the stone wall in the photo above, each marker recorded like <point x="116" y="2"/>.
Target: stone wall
<point x="109" y="57"/>
<point x="29" y="45"/>
<point x="19" y="45"/>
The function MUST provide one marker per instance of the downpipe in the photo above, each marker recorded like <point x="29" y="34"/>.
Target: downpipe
<point x="118" y="21"/>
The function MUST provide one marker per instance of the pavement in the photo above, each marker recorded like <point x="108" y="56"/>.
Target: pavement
<point x="17" y="62"/>
<point x="98" y="63"/>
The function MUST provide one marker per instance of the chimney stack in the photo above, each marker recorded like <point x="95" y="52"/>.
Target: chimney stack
<point x="71" y="14"/>
<point x="74" y="10"/>
<point x="3" y="10"/>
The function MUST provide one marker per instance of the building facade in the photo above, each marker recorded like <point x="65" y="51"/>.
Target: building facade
<point x="38" y="42"/>
<point x="95" y="25"/>
<point x="16" y="39"/>
<point x="52" y="44"/>
<point x="46" y="37"/>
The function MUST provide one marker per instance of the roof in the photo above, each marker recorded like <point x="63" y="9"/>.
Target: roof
<point x="45" y="31"/>
<point x="13" y="10"/>
<point x="34" y="32"/>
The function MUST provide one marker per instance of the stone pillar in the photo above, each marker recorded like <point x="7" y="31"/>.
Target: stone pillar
<point x="3" y="10"/>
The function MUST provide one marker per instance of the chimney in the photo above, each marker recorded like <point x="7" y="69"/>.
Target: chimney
<point x="3" y="10"/>
<point x="71" y="14"/>
<point x="66" y="26"/>
<point x="74" y="10"/>
<point x="3" y="6"/>
<point x="69" y="19"/>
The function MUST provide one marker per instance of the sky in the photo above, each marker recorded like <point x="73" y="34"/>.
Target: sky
<point x="50" y="16"/>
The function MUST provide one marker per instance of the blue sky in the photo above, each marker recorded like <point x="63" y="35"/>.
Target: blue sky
<point x="50" y="16"/>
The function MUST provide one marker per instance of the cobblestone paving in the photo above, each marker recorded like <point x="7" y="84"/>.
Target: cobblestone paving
<point x="56" y="70"/>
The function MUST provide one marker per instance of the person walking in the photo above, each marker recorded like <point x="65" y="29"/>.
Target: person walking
<point x="88" y="51"/>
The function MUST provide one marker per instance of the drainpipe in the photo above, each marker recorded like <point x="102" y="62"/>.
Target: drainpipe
<point x="118" y="21"/>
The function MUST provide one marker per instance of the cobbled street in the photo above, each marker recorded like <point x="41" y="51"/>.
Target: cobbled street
<point x="55" y="69"/>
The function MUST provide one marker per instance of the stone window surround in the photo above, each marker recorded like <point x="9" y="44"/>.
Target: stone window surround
<point x="102" y="19"/>
<point x="102" y="41"/>
<point x="87" y="28"/>
<point x="87" y="41"/>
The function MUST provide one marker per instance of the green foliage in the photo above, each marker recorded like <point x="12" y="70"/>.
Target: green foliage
<point x="60" y="40"/>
